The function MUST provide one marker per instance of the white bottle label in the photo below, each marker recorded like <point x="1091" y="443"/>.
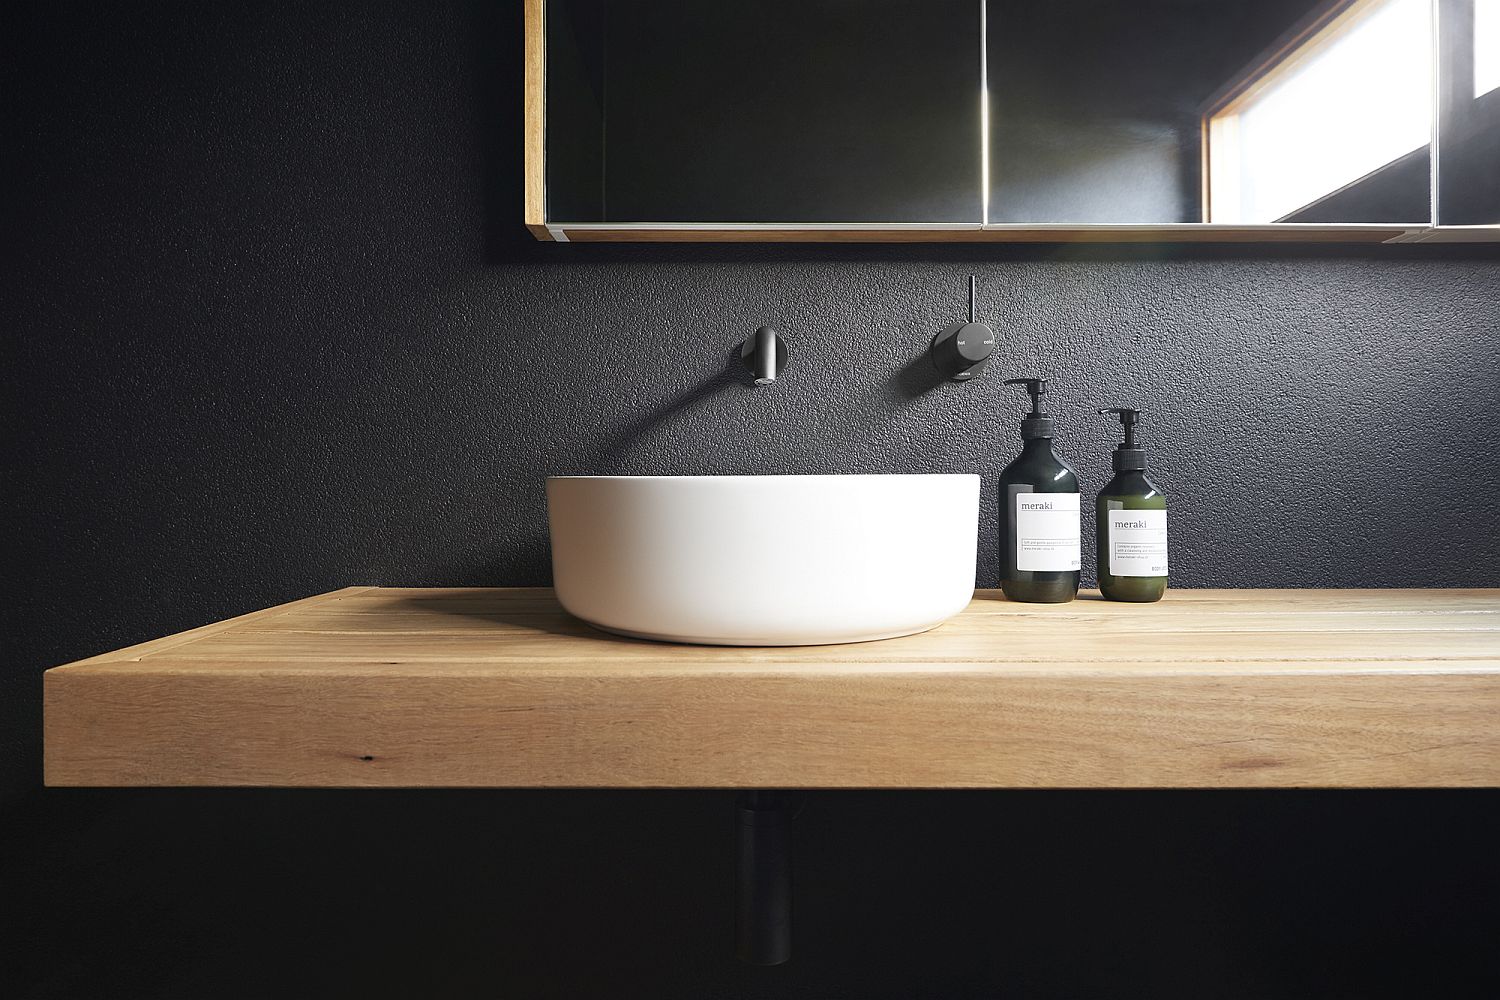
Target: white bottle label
<point x="1138" y="543"/>
<point x="1047" y="531"/>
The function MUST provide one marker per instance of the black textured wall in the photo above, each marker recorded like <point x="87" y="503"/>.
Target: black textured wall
<point x="271" y="328"/>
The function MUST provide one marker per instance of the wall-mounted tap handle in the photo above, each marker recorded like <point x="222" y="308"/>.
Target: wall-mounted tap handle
<point x="764" y="355"/>
<point x="960" y="350"/>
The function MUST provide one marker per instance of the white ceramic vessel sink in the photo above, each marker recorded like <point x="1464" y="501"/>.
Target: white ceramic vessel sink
<point x="764" y="560"/>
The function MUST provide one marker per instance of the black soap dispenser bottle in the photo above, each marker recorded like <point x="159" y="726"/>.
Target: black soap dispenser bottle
<point x="1131" y="525"/>
<point x="1039" y="513"/>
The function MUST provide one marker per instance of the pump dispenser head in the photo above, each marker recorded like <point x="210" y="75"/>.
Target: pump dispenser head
<point x="1037" y="423"/>
<point x="1127" y="457"/>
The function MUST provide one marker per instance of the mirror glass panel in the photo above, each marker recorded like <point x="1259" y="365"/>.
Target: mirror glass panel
<point x="763" y="111"/>
<point x="1225" y="111"/>
<point x="1469" y="112"/>
<point x="1021" y="112"/>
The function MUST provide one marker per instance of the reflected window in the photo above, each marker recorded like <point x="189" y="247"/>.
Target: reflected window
<point x="1347" y="98"/>
<point x="1486" y="46"/>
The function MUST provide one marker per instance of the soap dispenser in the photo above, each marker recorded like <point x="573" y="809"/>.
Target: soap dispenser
<point x="1131" y="525"/>
<point x="1039" y="513"/>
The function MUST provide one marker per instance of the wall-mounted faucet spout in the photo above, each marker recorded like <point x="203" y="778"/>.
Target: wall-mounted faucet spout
<point x="764" y="355"/>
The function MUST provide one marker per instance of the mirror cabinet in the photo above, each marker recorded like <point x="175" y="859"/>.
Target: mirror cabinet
<point x="1105" y="120"/>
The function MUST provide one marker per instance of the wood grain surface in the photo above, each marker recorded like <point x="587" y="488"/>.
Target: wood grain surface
<point x="377" y="687"/>
<point x="534" y="114"/>
<point x="1184" y="233"/>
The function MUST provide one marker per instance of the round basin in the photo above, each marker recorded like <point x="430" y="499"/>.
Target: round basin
<point x="764" y="560"/>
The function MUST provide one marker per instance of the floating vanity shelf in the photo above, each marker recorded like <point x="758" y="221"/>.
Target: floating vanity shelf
<point x="378" y="687"/>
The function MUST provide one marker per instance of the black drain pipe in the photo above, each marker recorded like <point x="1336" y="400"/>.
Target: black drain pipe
<point x="763" y="908"/>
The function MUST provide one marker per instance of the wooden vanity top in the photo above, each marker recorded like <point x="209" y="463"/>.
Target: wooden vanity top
<point x="380" y="687"/>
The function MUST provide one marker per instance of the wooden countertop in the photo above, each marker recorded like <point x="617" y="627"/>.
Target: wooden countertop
<point x="383" y="687"/>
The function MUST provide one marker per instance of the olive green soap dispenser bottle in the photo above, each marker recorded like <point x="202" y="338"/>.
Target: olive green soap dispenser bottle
<point x="1131" y="525"/>
<point x="1039" y="513"/>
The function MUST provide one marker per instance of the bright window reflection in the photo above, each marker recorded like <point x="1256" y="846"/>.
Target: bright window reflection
<point x="1486" y="46"/>
<point x="1352" y="99"/>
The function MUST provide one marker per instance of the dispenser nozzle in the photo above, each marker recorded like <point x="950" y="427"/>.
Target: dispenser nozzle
<point x="1037" y="424"/>
<point x="1128" y="417"/>
<point x="1037" y="387"/>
